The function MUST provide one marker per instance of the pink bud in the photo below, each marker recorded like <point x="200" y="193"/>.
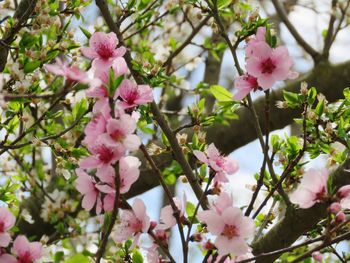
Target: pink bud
<point x="340" y="217"/>
<point x="344" y="191"/>
<point x="317" y="256"/>
<point x="153" y="224"/>
<point x="334" y="208"/>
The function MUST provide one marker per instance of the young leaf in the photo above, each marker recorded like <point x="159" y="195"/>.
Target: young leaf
<point x="220" y="93"/>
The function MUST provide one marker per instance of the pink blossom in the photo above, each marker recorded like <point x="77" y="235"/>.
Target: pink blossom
<point x="87" y="187"/>
<point x="102" y="49"/>
<point x="94" y="128"/>
<point x="26" y="252"/>
<point x="133" y="223"/>
<point x="344" y="195"/>
<point x="222" y="202"/>
<point x="317" y="256"/>
<point x="167" y="214"/>
<point x="231" y="228"/>
<point x="270" y="65"/>
<point x="102" y="107"/>
<point x="7" y="258"/>
<point x="129" y="172"/>
<point x="335" y="207"/>
<point x="245" y="84"/>
<point x="103" y="154"/>
<point x="7" y="221"/>
<point x="132" y="95"/>
<point x="220" y="164"/>
<point x="312" y="188"/>
<point x="258" y="38"/>
<point x="340" y="217"/>
<point x="72" y="73"/>
<point x="153" y="255"/>
<point x="121" y="133"/>
<point x="118" y="65"/>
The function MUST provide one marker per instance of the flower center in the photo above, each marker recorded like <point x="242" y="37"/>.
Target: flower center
<point x="136" y="225"/>
<point x="320" y="195"/>
<point x="267" y="66"/>
<point x="104" y="51"/>
<point x="253" y="82"/>
<point x="230" y="231"/>
<point x="131" y="96"/>
<point x="105" y="154"/>
<point x="25" y="258"/>
<point x="117" y="135"/>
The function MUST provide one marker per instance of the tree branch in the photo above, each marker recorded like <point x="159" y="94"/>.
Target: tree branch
<point x="313" y="53"/>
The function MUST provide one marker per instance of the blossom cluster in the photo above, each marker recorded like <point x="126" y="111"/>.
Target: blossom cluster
<point x="264" y="64"/>
<point x="22" y="250"/>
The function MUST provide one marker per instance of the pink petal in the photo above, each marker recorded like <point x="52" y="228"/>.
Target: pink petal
<point x="5" y="239"/>
<point x="139" y="208"/>
<point x="89" y="200"/>
<point x="213" y="221"/>
<point x="201" y="156"/>
<point x="89" y="52"/>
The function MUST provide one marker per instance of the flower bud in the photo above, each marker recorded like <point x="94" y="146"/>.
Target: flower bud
<point x="317" y="256"/>
<point x="340" y="217"/>
<point x="334" y="208"/>
<point x="303" y="88"/>
<point x="343" y="191"/>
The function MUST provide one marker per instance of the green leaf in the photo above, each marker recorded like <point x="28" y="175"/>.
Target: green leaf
<point x="223" y="3"/>
<point x="311" y="95"/>
<point x="320" y="108"/>
<point x="78" y="258"/>
<point x="220" y="93"/>
<point x="346" y="93"/>
<point x="137" y="257"/>
<point x="31" y="66"/>
<point x="85" y="32"/>
<point x="291" y="98"/>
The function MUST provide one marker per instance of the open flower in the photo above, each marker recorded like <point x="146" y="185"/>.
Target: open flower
<point x="231" y="228"/>
<point x="220" y="164"/>
<point x="103" y="154"/>
<point x="121" y="133"/>
<point x="312" y="188"/>
<point x="269" y="65"/>
<point x="102" y="48"/>
<point x="7" y="221"/>
<point x="26" y="252"/>
<point x="72" y="73"/>
<point x="132" y="95"/>
<point x="133" y="223"/>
